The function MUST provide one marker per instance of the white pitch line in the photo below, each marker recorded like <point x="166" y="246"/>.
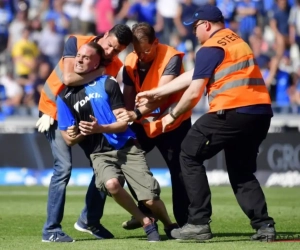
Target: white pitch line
<point x="36" y="193"/>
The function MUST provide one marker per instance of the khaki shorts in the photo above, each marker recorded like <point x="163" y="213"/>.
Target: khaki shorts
<point x="126" y="164"/>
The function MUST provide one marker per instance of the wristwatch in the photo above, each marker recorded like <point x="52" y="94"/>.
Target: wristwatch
<point x="138" y="114"/>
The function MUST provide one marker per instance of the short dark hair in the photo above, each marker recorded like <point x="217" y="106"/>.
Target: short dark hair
<point x="143" y="31"/>
<point x="122" y="33"/>
<point x="99" y="50"/>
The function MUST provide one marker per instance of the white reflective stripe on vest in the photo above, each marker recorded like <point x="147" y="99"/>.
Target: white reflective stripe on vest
<point x="233" y="68"/>
<point x="59" y="73"/>
<point x="47" y="88"/>
<point x="49" y="93"/>
<point x="234" y="84"/>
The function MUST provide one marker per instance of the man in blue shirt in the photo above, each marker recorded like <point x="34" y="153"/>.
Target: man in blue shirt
<point x="110" y="144"/>
<point x="113" y="42"/>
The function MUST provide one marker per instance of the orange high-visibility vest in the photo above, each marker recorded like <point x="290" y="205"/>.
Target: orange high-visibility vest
<point x="54" y="83"/>
<point x="152" y="122"/>
<point x="237" y="81"/>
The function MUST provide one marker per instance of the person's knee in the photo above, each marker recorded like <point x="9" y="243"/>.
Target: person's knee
<point x="149" y="203"/>
<point x="113" y="186"/>
<point x="61" y="173"/>
<point x="194" y="146"/>
<point x="62" y="166"/>
<point x="183" y="156"/>
<point x="241" y="177"/>
<point x="187" y="161"/>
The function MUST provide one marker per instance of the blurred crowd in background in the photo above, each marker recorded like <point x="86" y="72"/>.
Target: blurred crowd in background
<point x="33" y="32"/>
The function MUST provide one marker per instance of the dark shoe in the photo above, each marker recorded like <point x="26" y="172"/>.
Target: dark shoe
<point x="265" y="233"/>
<point x="192" y="232"/>
<point x="169" y="229"/>
<point x="151" y="230"/>
<point x="56" y="237"/>
<point x="99" y="231"/>
<point x="133" y="223"/>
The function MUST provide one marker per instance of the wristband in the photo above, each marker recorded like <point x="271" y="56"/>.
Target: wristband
<point x="172" y="115"/>
<point x="138" y="114"/>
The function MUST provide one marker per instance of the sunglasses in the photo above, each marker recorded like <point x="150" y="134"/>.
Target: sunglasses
<point x="147" y="52"/>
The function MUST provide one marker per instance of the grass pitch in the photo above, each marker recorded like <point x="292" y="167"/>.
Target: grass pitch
<point x="23" y="213"/>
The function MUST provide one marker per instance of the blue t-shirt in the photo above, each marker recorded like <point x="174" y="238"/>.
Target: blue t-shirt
<point x="144" y="12"/>
<point x="186" y="12"/>
<point x="268" y="6"/>
<point x="247" y="22"/>
<point x="98" y="98"/>
<point x="214" y="56"/>
<point x="58" y="19"/>
<point x="70" y="49"/>
<point x="228" y="10"/>
<point x="282" y="17"/>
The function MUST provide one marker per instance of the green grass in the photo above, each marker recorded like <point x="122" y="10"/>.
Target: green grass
<point x="23" y="212"/>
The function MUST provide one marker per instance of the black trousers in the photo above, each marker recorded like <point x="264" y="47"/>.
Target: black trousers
<point x="169" y="145"/>
<point x="240" y="136"/>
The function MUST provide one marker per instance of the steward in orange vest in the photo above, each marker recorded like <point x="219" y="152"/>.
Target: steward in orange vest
<point x="54" y="83"/>
<point x="152" y="122"/>
<point x="237" y="122"/>
<point x="237" y="81"/>
<point x="150" y="65"/>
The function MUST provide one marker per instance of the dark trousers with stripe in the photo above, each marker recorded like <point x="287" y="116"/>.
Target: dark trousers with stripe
<point x="169" y="145"/>
<point x="239" y="135"/>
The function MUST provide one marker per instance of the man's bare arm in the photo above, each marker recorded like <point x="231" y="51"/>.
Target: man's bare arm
<point x="179" y="83"/>
<point x="71" y="78"/>
<point x="116" y="127"/>
<point x="129" y="92"/>
<point x="88" y="128"/>
<point x="149" y="107"/>
<point x="71" y="141"/>
<point x="190" y="97"/>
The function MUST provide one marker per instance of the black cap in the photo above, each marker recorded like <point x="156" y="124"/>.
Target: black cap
<point x="206" y="12"/>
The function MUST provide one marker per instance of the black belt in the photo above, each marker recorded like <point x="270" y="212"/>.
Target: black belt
<point x="221" y="113"/>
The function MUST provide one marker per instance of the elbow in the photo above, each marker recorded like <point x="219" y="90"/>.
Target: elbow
<point x="70" y="143"/>
<point x="67" y="138"/>
<point x="195" y="96"/>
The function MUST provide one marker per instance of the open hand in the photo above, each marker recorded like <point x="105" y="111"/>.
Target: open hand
<point x="88" y="128"/>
